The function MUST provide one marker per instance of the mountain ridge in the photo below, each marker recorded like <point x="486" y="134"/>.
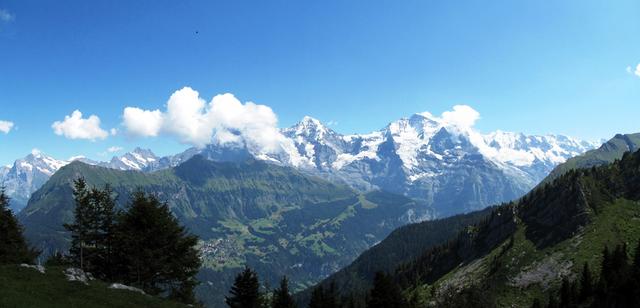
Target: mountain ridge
<point x="274" y="218"/>
<point x="423" y="157"/>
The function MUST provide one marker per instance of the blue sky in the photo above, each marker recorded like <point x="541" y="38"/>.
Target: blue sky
<point x="537" y="67"/>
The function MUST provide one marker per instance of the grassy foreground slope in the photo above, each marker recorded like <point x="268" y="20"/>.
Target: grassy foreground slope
<point x="24" y="288"/>
<point x="525" y="249"/>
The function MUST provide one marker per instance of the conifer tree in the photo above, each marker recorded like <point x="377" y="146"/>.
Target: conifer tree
<point x="80" y="227"/>
<point x="93" y="229"/>
<point x="586" y="282"/>
<point x="385" y="293"/>
<point x="281" y="296"/>
<point x="245" y="292"/>
<point x="13" y="247"/>
<point x="536" y="303"/>
<point x="324" y="297"/>
<point x="155" y="251"/>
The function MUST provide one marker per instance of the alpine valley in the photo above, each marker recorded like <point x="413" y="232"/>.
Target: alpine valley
<point x="423" y="157"/>
<point x="310" y="208"/>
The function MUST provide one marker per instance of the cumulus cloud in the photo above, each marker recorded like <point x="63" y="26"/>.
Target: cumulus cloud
<point x="6" y="16"/>
<point x="6" y="126"/>
<point x="75" y="127"/>
<point x="633" y="71"/>
<point x="142" y="123"/>
<point x="223" y="120"/>
<point x="114" y="149"/>
<point x="461" y="116"/>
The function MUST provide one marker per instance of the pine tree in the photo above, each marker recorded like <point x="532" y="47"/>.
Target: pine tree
<point x="245" y="292"/>
<point x="92" y="229"/>
<point x="13" y="247"/>
<point x="317" y="297"/>
<point x="567" y="297"/>
<point x="536" y="303"/>
<point x="281" y="296"/>
<point x="586" y="282"/>
<point x="155" y="251"/>
<point x="80" y="227"/>
<point x="324" y="297"/>
<point x="385" y="293"/>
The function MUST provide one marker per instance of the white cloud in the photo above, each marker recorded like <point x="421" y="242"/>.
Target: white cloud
<point x="75" y="127"/>
<point x="332" y="123"/>
<point x="224" y="120"/>
<point x="633" y="71"/>
<point x="76" y="157"/>
<point x="6" y="126"/>
<point x="144" y="123"/>
<point x="114" y="149"/>
<point x="461" y="116"/>
<point x="6" y="16"/>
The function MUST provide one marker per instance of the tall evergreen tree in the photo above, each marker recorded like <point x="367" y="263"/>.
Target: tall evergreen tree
<point x="245" y="292"/>
<point x="13" y="247"/>
<point x="155" y="251"/>
<point x="385" y="293"/>
<point x="536" y="303"/>
<point x="281" y="296"/>
<point x="80" y="227"/>
<point x="93" y="229"/>
<point x="586" y="282"/>
<point x="322" y="297"/>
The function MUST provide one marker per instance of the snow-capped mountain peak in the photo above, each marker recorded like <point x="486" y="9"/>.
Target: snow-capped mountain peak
<point x="138" y="159"/>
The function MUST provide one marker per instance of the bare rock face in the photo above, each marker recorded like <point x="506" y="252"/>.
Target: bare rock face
<point x="543" y="273"/>
<point x="38" y="268"/>
<point x="76" y="274"/>
<point x="120" y="286"/>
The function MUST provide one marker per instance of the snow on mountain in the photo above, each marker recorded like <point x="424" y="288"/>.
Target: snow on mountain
<point x="440" y="161"/>
<point x="138" y="159"/>
<point x="428" y="157"/>
<point x="27" y="175"/>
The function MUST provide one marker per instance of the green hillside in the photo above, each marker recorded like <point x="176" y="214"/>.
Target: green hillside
<point x="275" y="219"/>
<point x="402" y="245"/>
<point x="522" y="250"/>
<point x="605" y="154"/>
<point x="25" y="288"/>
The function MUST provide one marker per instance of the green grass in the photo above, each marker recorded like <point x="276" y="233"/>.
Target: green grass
<point x="615" y="223"/>
<point x="25" y="287"/>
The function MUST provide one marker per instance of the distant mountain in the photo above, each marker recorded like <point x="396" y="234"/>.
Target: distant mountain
<point x="26" y="176"/>
<point x="273" y="218"/>
<point x="605" y="154"/>
<point x="515" y="253"/>
<point x="453" y="169"/>
<point x="446" y="167"/>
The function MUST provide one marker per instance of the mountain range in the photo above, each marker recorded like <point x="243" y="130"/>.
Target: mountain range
<point x="447" y="168"/>
<point x="273" y="218"/>
<point x="511" y="253"/>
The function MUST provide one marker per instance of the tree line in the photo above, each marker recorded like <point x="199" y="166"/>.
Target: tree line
<point x="617" y="285"/>
<point x="13" y="246"/>
<point x="246" y="293"/>
<point x="142" y="245"/>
